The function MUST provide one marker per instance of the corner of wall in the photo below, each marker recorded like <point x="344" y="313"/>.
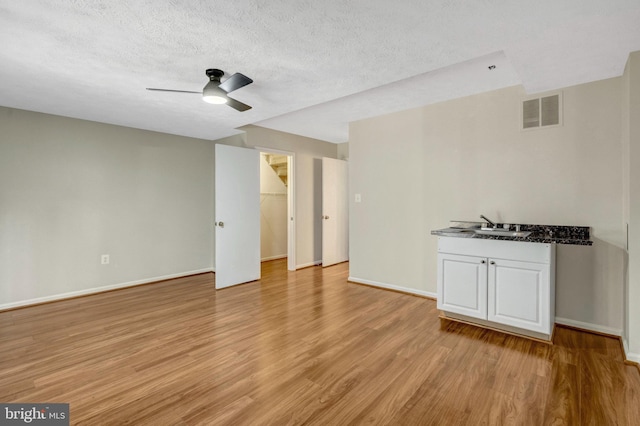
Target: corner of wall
<point x="239" y="140"/>
<point x="342" y="151"/>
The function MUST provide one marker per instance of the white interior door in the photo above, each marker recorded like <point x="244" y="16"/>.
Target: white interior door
<point x="335" y="211"/>
<point x="291" y="203"/>
<point x="237" y="215"/>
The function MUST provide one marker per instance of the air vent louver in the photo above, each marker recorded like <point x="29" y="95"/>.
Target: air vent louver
<point x="531" y="113"/>
<point x="550" y="110"/>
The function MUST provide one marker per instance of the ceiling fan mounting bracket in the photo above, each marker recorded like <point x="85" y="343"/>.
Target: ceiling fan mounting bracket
<point x="214" y="73"/>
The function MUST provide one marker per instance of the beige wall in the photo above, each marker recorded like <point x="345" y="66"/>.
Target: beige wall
<point x="308" y="184"/>
<point x="343" y="151"/>
<point x="386" y="229"/>
<point x="455" y="160"/>
<point x="72" y="190"/>
<point x="631" y="125"/>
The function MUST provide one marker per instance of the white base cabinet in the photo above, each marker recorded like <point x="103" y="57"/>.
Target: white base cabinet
<point x="508" y="285"/>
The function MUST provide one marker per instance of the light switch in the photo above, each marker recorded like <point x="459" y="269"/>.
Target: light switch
<point x="358" y="198"/>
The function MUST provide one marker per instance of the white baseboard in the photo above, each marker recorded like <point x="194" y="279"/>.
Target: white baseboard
<point x="306" y="265"/>
<point x="393" y="287"/>
<point x="276" y="257"/>
<point x="563" y="321"/>
<point x="629" y="356"/>
<point x="94" y="290"/>
<point x="633" y="357"/>
<point x="589" y="326"/>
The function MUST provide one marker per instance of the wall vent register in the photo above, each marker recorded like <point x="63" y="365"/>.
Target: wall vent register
<point x="542" y="112"/>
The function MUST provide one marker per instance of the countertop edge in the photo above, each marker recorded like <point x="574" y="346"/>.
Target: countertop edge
<point x="530" y="239"/>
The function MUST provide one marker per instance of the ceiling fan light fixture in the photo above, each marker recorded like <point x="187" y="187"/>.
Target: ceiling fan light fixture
<point x="215" y="91"/>
<point x="213" y="94"/>
<point x="214" y="100"/>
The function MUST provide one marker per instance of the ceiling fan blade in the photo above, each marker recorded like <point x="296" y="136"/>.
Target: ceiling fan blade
<point x="235" y="82"/>
<point x="170" y="90"/>
<point x="237" y="105"/>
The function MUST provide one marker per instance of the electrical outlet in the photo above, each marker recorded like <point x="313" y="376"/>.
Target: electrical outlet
<point x="104" y="259"/>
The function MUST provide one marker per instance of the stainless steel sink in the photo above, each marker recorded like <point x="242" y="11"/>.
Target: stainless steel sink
<point x="502" y="232"/>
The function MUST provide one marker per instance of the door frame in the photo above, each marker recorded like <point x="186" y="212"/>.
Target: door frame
<point x="291" y="203"/>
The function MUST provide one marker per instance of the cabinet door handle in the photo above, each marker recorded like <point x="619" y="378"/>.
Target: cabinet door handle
<point x="483" y="261"/>
<point x="492" y="262"/>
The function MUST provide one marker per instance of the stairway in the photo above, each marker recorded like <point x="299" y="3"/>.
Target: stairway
<point x="279" y="164"/>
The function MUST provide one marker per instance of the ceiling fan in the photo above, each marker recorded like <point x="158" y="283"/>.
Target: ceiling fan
<point x="215" y="91"/>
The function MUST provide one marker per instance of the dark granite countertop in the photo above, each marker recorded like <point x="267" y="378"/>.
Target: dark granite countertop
<point x="555" y="234"/>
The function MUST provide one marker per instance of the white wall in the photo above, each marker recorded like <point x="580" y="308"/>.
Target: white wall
<point x="418" y="169"/>
<point x="273" y="213"/>
<point x="72" y="190"/>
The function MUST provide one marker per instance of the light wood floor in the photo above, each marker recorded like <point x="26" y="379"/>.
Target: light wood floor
<point x="300" y="348"/>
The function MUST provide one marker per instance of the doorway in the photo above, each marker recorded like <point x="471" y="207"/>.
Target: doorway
<point x="277" y="218"/>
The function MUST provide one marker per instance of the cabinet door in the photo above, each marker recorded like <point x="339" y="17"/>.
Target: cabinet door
<point x="462" y="285"/>
<point x="519" y="294"/>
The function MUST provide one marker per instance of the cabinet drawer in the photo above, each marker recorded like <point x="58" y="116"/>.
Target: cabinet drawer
<point x="499" y="249"/>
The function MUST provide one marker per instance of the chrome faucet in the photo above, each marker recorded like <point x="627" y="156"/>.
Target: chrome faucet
<point x="493" y="225"/>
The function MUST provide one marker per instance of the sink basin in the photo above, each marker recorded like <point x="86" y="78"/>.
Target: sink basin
<point x="502" y="232"/>
<point x="470" y="232"/>
<point x="455" y="232"/>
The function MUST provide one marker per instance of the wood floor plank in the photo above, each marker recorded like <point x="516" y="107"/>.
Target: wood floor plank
<point x="398" y="392"/>
<point x="301" y="347"/>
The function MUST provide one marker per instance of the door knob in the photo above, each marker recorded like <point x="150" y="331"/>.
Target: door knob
<point x="492" y="262"/>
<point x="483" y="261"/>
<point x="325" y="217"/>
<point x="220" y="224"/>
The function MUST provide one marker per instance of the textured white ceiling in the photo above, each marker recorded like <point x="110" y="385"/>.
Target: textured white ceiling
<point x="316" y="65"/>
